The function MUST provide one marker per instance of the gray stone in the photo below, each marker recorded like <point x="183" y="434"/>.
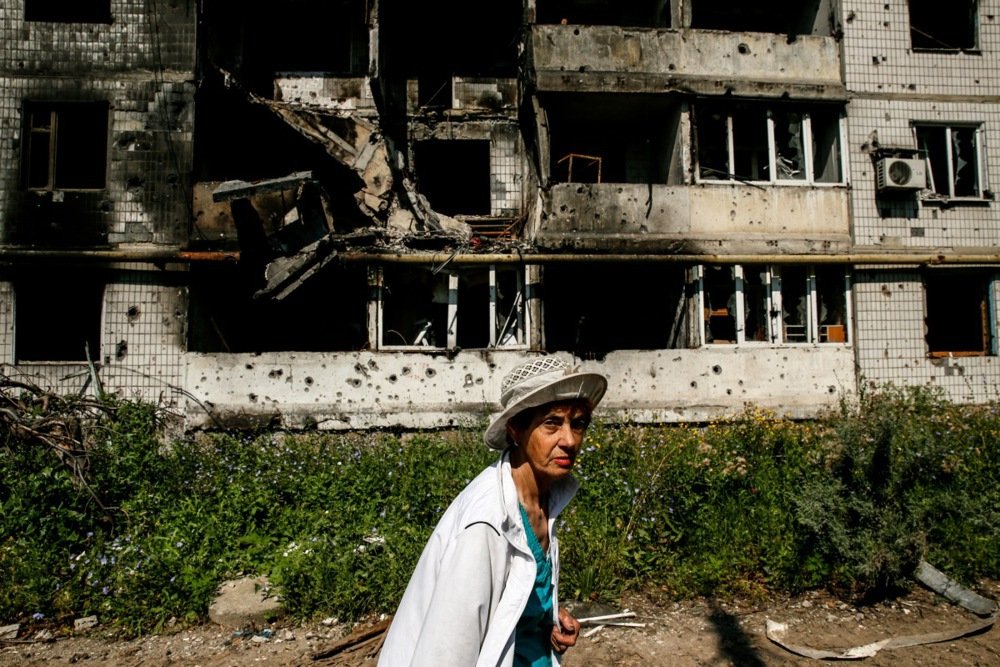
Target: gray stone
<point x="10" y="631"/>
<point x="85" y="623"/>
<point x="245" y="602"/>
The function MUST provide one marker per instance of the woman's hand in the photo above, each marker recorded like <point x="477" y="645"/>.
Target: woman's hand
<point x="564" y="634"/>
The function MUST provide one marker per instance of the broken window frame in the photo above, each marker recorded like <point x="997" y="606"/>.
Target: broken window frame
<point x="949" y="158"/>
<point x="776" y="333"/>
<point x="806" y="141"/>
<point x="516" y="320"/>
<point x="987" y="315"/>
<point x="974" y="26"/>
<point x="53" y="141"/>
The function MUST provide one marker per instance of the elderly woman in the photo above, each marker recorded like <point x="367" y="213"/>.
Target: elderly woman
<point x="485" y="590"/>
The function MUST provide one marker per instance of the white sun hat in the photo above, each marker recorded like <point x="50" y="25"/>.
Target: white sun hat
<point x="539" y="382"/>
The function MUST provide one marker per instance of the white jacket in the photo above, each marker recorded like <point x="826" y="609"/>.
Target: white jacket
<point x="473" y="579"/>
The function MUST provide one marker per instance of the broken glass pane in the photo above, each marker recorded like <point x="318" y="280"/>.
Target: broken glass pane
<point x="713" y="144"/>
<point x="720" y="304"/>
<point x="755" y="290"/>
<point x="825" y="126"/>
<point x="750" y="144"/>
<point x="964" y="162"/>
<point x="789" y="155"/>
<point x="414" y="307"/>
<point x="832" y="304"/>
<point x="795" y="304"/>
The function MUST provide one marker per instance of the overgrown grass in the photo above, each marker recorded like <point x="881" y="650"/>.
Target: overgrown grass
<point x="742" y="506"/>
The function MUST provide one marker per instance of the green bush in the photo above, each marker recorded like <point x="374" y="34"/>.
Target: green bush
<point x="140" y="533"/>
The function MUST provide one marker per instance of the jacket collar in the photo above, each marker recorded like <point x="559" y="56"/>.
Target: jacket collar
<point x="559" y="496"/>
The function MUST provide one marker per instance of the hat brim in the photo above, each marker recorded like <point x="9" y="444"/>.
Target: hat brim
<point x="576" y="386"/>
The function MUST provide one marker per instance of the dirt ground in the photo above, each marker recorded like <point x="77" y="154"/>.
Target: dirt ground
<point x="698" y="632"/>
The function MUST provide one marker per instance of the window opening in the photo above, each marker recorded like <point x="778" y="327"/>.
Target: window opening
<point x="591" y="309"/>
<point x="958" y="313"/>
<point x="224" y="316"/>
<point x="720" y="304"/>
<point x="791" y="17"/>
<point x="68" y="11"/>
<point x="57" y="320"/>
<point x="642" y="14"/>
<point x="66" y="145"/>
<point x="953" y="159"/>
<point x="454" y="175"/>
<point x="777" y="304"/>
<point x="831" y="292"/>
<point x="491" y="310"/>
<point x="756" y="300"/>
<point x="614" y="139"/>
<point x="795" y="304"/>
<point x="750" y="142"/>
<point x="789" y="150"/>
<point x="415" y="307"/>
<point x="935" y="27"/>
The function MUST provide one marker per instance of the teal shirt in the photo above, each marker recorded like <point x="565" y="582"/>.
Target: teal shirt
<point x="532" y="638"/>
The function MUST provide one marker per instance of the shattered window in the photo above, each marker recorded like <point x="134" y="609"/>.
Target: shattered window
<point x="757" y="143"/>
<point x="953" y="159"/>
<point x="468" y="308"/>
<point x="66" y="145"/>
<point x="831" y="300"/>
<point x="639" y="14"/>
<point x="756" y="303"/>
<point x="720" y="304"/>
<point x="491" y="310"/>
<point x="607" y="138"/>
<point x="56" y="319"/>
<point x="936" y="27"/>
<point x="958" y="317"/>
<point x="791" y="17"/>
<point x="789" y="153"/>
<point x="415" y="307"/>
<point x="68" y="11"/>
<point x="777" y="304"/>
<point x="592" y="309"/>
<point x="795" y="311"/>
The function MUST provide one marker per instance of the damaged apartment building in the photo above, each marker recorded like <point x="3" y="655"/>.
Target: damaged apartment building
<point x="351" y="214"/>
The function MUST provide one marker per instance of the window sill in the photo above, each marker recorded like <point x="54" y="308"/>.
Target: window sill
<point x="948" y="202"/>
<point x="968" y="52"/>
<point x="778" y="184"/>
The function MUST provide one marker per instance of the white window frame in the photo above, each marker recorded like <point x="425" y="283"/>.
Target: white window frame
<point x="775" y="324"/>
<point x="521" y="324"/>
<point x="807" y="152"/>
<point x="981" y="184"/>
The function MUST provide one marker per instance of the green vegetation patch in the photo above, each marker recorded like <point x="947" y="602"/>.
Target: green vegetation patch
<point x="138" y="532"/>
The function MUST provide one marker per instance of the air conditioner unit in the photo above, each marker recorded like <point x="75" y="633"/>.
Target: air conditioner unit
<point x="896" y="173"/>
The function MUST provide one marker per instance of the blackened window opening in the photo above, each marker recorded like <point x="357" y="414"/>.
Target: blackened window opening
<point x="65" y="146"/>
<point x="958" y="313"/>
<point x="454" y="175"/>
<point x="68" y="11"/>
<point x="57" y="317"/>
<point x="593" y="309"/>
<point x="639" y="14"/>
<point x="326" y="314"/>
<point x="614" y="139"/>
<point x="791" y="17"/>
<point x="938" y="26"/>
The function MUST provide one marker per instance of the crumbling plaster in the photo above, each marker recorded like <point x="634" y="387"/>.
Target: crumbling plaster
<point x="732" y="218"/>
<point x="359" y="390"/>
<point x="599" y="58"/>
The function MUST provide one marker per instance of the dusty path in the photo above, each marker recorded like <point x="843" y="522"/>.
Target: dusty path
<point x="700" y="632"/>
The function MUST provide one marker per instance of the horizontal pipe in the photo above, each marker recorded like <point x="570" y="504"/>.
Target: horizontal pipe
<point x="10" y="255"/>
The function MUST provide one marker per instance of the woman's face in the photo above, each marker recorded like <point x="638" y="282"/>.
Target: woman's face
<point x="550" y="439"/>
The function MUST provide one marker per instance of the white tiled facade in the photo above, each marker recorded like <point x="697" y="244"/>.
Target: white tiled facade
<point x="145" y="65"/>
